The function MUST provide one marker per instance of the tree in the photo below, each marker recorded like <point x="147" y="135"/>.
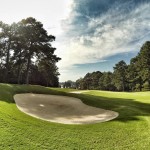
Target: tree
<point x="26" y="54"/>
<point x="133" y="78"/>
<point x="6" y="41"/>
<point x="140" y="68"/>
<point x="49" y="71"/>
<point x="80" y="84"/>
<point x="35" y="41"/>
<point x="143" y="61"/>
<point x="120" y="72"/>
<point x="94" y="77"/>
<point x="105" y="81"/>
<point x="69" y="84"/>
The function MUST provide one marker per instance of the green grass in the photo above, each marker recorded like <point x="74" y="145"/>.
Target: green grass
<point x="131" y="130"/>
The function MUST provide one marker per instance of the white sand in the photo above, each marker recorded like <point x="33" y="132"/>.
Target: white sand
<point x="61" y="109"/>
<point x="78" y="92"/>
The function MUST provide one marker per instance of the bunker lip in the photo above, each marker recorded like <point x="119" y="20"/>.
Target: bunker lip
<point x="61" y="109"/>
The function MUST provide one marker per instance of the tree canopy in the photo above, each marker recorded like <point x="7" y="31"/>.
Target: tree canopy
<point x="132" y="77"/>
<point x="26" y="54"/>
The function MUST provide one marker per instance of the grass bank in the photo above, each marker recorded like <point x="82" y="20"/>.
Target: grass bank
<point x="130" y="130"/>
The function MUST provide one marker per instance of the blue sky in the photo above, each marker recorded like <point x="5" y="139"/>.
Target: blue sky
<point x="99" y="33"/>
<point x="90" y="35"/>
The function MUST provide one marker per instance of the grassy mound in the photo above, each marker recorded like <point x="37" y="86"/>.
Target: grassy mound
<point x="130" y="130"/>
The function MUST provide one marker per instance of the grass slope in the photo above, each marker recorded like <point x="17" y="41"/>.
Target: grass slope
<point x="131" y="130"/>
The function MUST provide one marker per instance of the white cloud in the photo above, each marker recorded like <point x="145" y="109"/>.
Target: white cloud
<point x="114" y="32"/>
<point x="108" y="34"/>
<point x="49" y="12"/>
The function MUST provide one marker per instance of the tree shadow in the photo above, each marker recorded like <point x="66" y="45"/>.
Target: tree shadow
<point x="128" y="109"/>
<point x="7" y="91"/>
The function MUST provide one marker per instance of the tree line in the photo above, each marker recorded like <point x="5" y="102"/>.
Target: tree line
<point x="26" y="54"/>
<point x="132" y="77"/>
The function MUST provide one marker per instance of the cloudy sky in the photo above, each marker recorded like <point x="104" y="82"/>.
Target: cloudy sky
<point x="90" y="35"/>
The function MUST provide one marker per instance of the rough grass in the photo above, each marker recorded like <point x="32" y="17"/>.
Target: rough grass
<point x="131" y="130"/>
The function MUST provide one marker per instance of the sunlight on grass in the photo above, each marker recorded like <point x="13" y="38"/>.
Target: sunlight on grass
<point x="130" y="130"/>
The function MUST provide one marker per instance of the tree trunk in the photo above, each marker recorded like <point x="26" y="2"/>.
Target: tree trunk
<point x="29" y="63"/>
<point x="19" y="74"/>
<point x="19" y="69"/>
<point x="140" y="83"/>
<point x="28" y="68"/>
<point x="123" y="85"/>
<point x="7" y="62"/>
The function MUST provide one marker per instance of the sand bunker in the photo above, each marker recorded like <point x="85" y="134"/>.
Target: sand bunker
<point x="61" y="109"/>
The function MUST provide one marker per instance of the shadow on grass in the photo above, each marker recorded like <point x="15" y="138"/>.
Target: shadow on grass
<point x="7" y="91"/>
<point x="128" y="109"/>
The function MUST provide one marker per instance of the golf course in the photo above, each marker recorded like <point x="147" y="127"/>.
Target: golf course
<point x="130" y="130"/>
<point x="75" y="75"/>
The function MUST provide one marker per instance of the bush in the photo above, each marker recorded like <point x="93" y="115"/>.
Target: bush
<point x="146" y="86"/>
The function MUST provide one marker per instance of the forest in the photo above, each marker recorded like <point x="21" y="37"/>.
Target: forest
<point x="26" y="54"/>
<point x="132" y="77"/>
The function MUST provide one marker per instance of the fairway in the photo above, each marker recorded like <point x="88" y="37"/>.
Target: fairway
<point x="130" y="130"/>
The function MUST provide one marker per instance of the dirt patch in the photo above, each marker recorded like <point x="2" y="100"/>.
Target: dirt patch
<point x="61" y="109"/>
